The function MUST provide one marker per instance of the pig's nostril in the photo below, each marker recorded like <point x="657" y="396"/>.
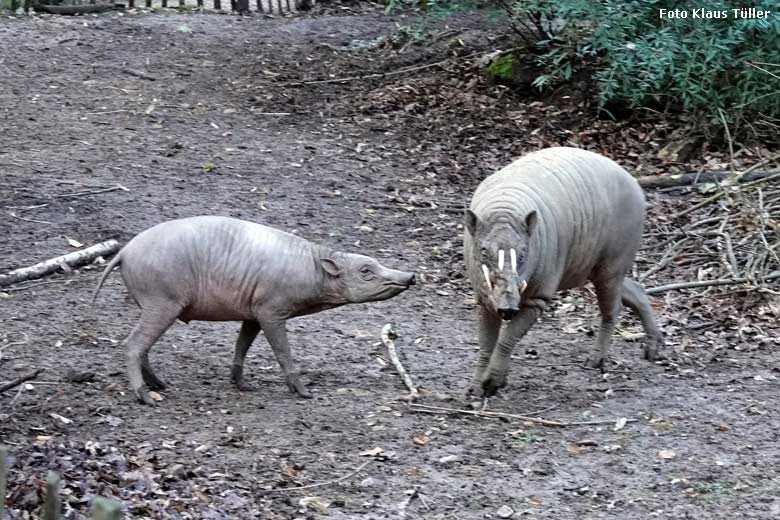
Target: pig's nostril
<point x="413" y="280"/>
<point x="506" y="314"/>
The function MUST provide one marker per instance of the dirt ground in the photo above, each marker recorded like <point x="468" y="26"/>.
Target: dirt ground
<point x="382" y="166"/>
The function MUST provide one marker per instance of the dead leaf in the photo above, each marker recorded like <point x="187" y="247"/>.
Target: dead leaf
<point x="63" y="420"/>
<point x="620" y="424"/>
<point x="667" y="454"/>
<point x="74" y="243"/>
<point x="316" y="502"/>
<point x="372" y="452"/>
<point x="154" y="395"/>
<point x="421" y="440"/>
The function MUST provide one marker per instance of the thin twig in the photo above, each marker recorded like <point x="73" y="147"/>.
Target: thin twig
<point x="20" y="380"/>
<point x="328" y="483"/>
<point x="29" y="286"/>
<point x="711" y="283"/>
<point x="388" y="334"/>
<point x="728" y="138"/>
<point x="93" y="192"/>
<point x="14" y="215"/>
<point x="434" y="409"/>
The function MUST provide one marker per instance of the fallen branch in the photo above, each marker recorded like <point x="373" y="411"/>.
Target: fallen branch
<point x="388" y="334"/>
<point x="18" y="381"/>
<point x="687" y="179"/>
<point x="712" y="283"/>
<point x="328" y="483"/>
<point x="49" y="266"/>
<point x="385" y="74"/>
<point x="537" y="420"/>
<point x="736" y="178"/>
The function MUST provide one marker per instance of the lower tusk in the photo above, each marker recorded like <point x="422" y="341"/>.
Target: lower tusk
<point x="486" y="272"/>
<point x="523" y="285"/>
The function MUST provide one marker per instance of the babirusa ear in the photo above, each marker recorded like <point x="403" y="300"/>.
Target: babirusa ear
<point x="530" y="222"/>
<point x="471" y="221"/>
<point x="330" y="266"/>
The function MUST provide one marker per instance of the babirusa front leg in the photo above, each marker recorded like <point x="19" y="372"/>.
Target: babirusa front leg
<point x="498" y="366"/>
<point x="276" y="334"/>
<point x="489" y="328"/>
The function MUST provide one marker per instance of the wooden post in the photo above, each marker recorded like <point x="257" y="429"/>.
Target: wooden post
<point x="243" y="6"/>
<point x="148" y="4"/>
<point x="259" y="6"/>
<point x="289" y="9"/>
<point x="165" y="3"/>
<point x="181" y="4"/>
<point x="3" y="476"/>
<point x="200" y="4"/>
<point x="217" y="5"/>
<point x="105" y="509"/>
<point x="51" y="504"/>
<point x="131" y="4"/>
<point x="279" y="5"/>
<point x="13" y="6"/>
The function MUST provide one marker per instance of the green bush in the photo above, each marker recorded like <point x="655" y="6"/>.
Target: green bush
<point x="704" y="65"/>
<point x="636" y="58"/>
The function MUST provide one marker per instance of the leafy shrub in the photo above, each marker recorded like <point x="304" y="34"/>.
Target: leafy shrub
<point x="636" y="58"/>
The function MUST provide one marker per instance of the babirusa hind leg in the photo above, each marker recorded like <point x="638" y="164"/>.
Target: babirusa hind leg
<point x="635" y="297"/>
<point x="249" y="331"/>
<point x="154" y="321"/>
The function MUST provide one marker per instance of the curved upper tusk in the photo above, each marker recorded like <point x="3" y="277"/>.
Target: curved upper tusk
<point x="486" y="272"/>
<point x="500" y="259"/>
<point x="523" y="285"/>
<point x="513" y="259"/>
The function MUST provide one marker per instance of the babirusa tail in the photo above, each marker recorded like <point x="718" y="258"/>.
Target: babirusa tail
<point x="113" y="263"/>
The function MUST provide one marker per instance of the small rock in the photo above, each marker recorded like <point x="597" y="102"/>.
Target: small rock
<point x="505" y="512"/>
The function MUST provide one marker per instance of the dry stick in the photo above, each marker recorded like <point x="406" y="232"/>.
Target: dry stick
<point x="728" y="138"/>
<point x="687" y="179"/>
<point x="536" y="420"/>
<point x="93" y="192"/>
<point x="30" y="286"/>
<point x="49" y="266"/>
<point x="712" y="283"/>
<point x="665" y="260"/>
<point x="328" y="483"/>
<point x="20" y="380"/>
<point x="14" y="215"/>
<point x="738" y="176"/>
<point x="388" y="334"/>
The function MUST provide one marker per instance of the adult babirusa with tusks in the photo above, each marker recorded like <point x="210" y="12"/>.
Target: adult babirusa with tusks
<point x="563" y="217"/>
<point x="223" y="269"/>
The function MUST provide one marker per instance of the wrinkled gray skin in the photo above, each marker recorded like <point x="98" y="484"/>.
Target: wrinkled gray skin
<point x="225" y="269"/>
<point x="572" y="216"/>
